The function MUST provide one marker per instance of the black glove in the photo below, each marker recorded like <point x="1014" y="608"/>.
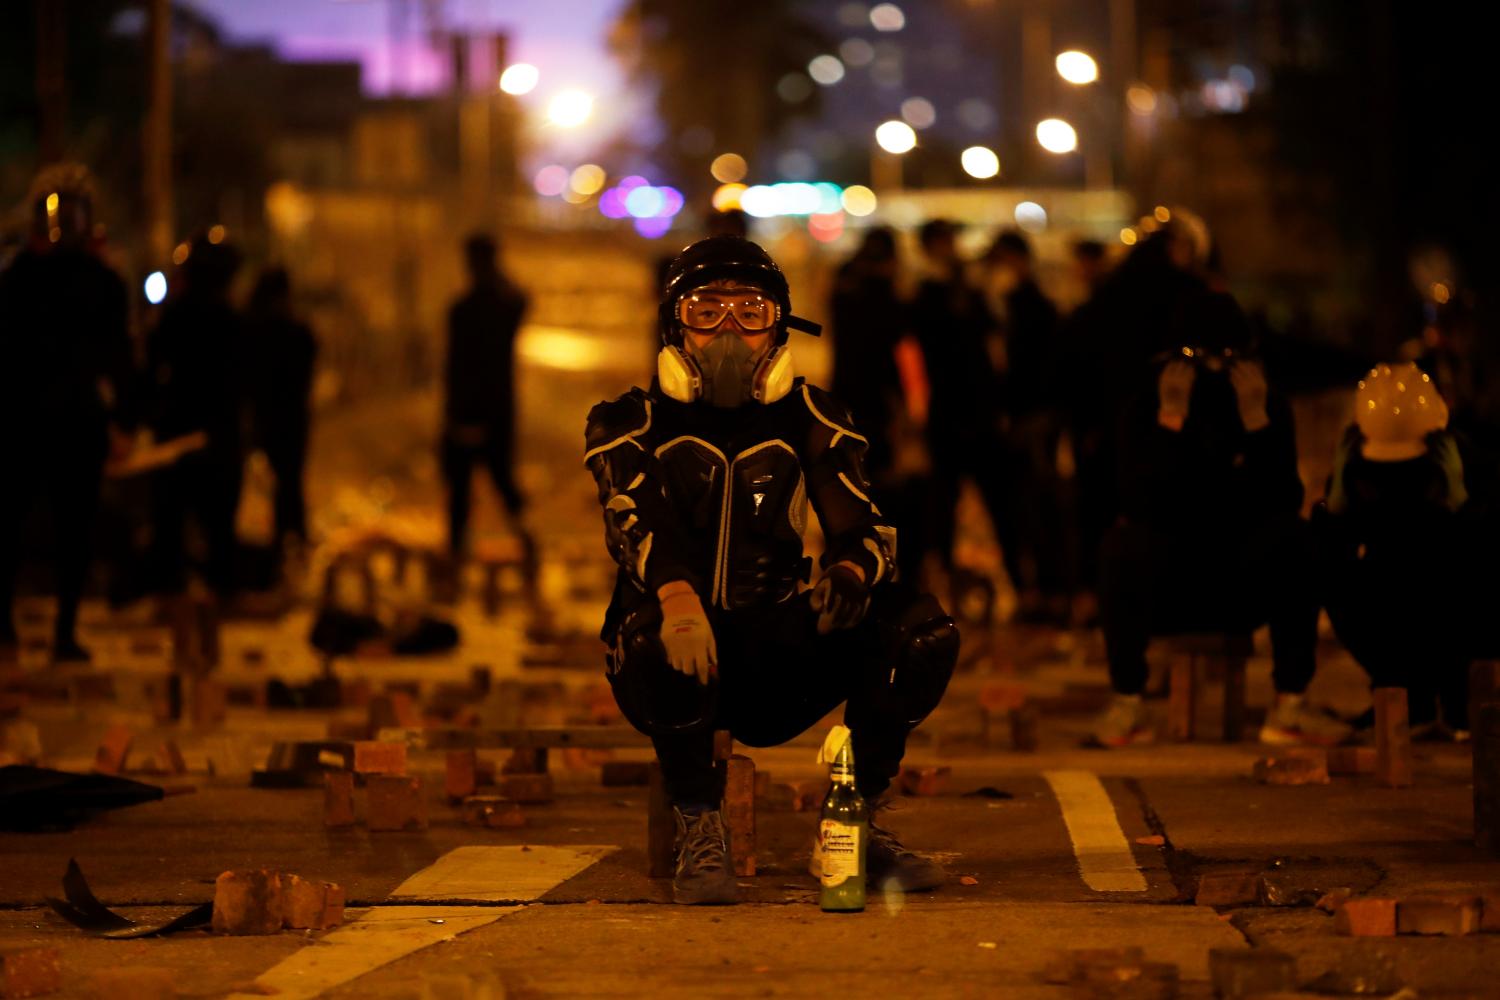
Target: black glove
<point x="841" y="599"/>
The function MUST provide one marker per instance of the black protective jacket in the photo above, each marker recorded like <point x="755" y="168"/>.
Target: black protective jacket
<point x="662" y="467"/>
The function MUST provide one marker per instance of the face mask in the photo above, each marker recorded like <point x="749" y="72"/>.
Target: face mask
<point x="728" y="367"/>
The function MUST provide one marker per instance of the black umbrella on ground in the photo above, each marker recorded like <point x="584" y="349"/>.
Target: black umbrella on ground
<point x="39" y="798"/>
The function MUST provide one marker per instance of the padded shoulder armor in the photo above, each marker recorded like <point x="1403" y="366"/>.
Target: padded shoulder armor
<point x="829" y="411"/>
<point x="615" y="422"/>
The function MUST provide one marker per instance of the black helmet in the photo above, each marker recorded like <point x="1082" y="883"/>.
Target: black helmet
<point x="717" y="258"/>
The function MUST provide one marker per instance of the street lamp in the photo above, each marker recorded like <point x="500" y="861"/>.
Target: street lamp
<point x="895" y="138"/>
<point x="520" y="78"/>
<point x="1056" y="136"/>
<point x="1077" y="68"/>
<point x="570" y="108"/>
<point x="980" y="162"/>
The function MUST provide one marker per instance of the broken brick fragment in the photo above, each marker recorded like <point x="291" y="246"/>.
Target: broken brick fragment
<point x="309" y="904"/>
<point x="248" y="902"/>
<point x="1447" y="915"/>
<point x="113" y="750"/>
<point x="1366" y="918"/>
<point x="376" y="757"/>
<point x="338" y="799"/>
<point x="1351" y="760"/>
<point x="395" y="803"/>
<point x="462" y="774"/>
<point x="1298" y="767"/>
<point x="1228" y="888"/>
<point x="924" y="781"/>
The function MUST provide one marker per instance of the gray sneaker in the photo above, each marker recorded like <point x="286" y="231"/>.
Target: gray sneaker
<point x="1124" y="723"/>
<point x="1292" y="720"/>
<point x="889" y="865"/>
<point x="704" y="874"/>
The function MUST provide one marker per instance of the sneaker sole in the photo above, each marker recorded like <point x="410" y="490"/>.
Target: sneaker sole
<point x="1292" y="737"/>
<point x="1143" y="737"/>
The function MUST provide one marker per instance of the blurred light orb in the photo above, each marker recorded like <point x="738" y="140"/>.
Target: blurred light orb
<point x="976" y="114"/>
<point x="156" y="287"/>
<point x="728" y="168"/>
<point x="896" y="137"/>
<point x="1141" y="99"/>
<point x="826" y="69"/>
<point x="570" y="108"/>
<point x="887" y="17"/>
<point x="1077" y="67"/>
<point x="980" y="162"/>
<point x="587" y="179"/>
<point x="858" y="200"/>
<point x="856" y="51"/>
<point x="826" y="228"/>
<point x="629" y="184"/>
<point x="180" y="253"/>
<point x="216" y="234"/>
<point x="796" y="164"/>
<point x="1056" y="135"/>
<point x="672" y="201"/>
<point x="1242" y="77"/>
<point x="1128" y="237"/>
<point x="829" y="198"/>
<point x="759" y="201"/>
<point x="794" y="88"/>
<point x="520" y="78"/>
<point x="653" y="227"/>
<point x="645" y="202"/>
<point x="574" y="197"/>
<point x="612" y="204"/>
<point x="728" y="196"/>
<point x="1162" y="213"/>
<point x="551" y="180"/>
<point x="1031" y="217"/>
<point x="918" y="112"/>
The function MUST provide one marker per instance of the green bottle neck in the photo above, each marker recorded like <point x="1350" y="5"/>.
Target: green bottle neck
<point x="842" y="769"/>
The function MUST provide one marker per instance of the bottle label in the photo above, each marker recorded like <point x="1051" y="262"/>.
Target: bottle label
<point x="839" y="847"/>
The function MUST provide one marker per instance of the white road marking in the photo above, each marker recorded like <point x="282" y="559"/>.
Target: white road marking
<point x="382" y="934"/>
<point x="1104" y="857"/>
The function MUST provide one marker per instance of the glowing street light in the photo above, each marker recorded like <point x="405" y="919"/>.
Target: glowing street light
<point x="896" y="137"/>
<point x="980" y="162"/>
<point x="520" y="78"/>
<point x="1056" y="136"/>
<point x="570" y="108"/>
<point x="1077" y="67"/>
<point x="156" y="287"/>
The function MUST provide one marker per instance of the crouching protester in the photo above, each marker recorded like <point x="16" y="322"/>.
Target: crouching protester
<point x="705" y="479"/>
<point x="1405" y="548"/>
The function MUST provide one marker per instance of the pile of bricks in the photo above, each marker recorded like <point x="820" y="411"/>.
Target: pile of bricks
<point x="1448" y="914"/>
<point x="264" y="901"/>
<point x="1113" y="973"/>
<point x="1314" y="765"/>
<point x="394" y="800"/>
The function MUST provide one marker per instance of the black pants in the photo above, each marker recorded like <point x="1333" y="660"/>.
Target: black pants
<point x="984" y="457"/>
<point x="66" y="470"/>
<point x="287" y="454"/>
<point x="203" y="490"/>
<point x="1155" y="582"/>
<point x="1039" y="505"/>
<point x="464" y="446"/>
<point x="1401" y="612"/>
<point x="777" y="677"/>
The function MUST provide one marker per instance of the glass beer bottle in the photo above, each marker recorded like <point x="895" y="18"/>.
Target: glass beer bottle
<point x="843" y="832"/>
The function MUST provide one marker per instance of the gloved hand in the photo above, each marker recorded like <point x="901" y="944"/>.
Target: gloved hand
<point x="685" y="632"/>
<point x="1337" y="501"/>
<point x="1174" y="387"/>
<point x="1444" y="449"/>
<point x="1249" y="381"/>
<point x="841" y="598"/>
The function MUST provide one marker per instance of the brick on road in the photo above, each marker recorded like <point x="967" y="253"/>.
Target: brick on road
<point x="1366" y="918"/>
<point x="375" y="757"/>
<point x="338" y="799"/>
<point x="310" y="904"/>
<point x="1229" y="888"/>
<point x="527" y="789"/>
<point x="395" y="802"/>
<point x="248" y="902"/>
<point x="461" y="777"/>
<point x="1447" y="915"/>
<point x="493" y="811"/>
<point x="113" y="750"/>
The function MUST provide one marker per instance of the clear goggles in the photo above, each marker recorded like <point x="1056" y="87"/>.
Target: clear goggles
<point x="707" y="309"/>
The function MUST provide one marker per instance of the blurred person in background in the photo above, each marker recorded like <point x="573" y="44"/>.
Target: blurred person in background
<point x="66" y="376"/>
<point x="1396" y="534"/>
<point x="479" y="391"/>
<point x="953" y="324"/>
<point x="281" y="350"/>
<point x="1211" y="536"/>
<point x="195" y="364"/>
<point x="1090" y="266"/>
<point x="1029" y="326"/>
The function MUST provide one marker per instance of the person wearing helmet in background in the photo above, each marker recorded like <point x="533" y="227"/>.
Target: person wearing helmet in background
<point x="65" y="386"/>
<point x="1211" y="536"/>
<point x="1392" y="534"/>
<point x="705" y="479"/>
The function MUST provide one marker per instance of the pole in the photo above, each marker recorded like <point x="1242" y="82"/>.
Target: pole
<point x="156" y="152"/>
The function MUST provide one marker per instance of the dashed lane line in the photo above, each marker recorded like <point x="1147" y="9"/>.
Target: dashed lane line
<point x="1104" y="857"/>
<point x="382" y="934"/>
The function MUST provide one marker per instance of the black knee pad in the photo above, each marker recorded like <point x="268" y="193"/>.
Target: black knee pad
<point x="922" y="649"/>
<point x="655" y="698"/>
